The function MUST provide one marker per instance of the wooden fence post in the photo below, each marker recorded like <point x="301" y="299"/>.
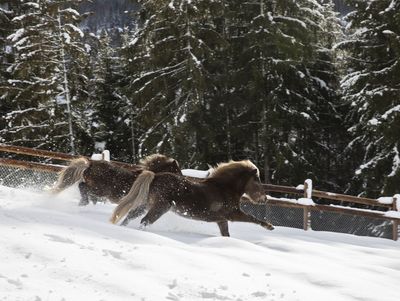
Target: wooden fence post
<point x="395" y="223"/>
<point x="306" y="210"/>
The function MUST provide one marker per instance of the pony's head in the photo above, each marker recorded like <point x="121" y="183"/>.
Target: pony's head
<point x="160" y="163"/>
<point x="247" y="178"/>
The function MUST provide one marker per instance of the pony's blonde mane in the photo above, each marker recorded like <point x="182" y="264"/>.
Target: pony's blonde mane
<point x="223" y="169"/>
<point x="152" y="159"/>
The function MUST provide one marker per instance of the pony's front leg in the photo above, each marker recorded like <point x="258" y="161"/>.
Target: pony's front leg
<point x="239" y="216"/>
<point x="155" y="212"/>
<point x="84" y="194"/>
<point x="223" y="228"/>
<point x="133" y="214"/>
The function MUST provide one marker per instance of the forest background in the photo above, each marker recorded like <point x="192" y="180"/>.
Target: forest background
<point x="304" y="88"/>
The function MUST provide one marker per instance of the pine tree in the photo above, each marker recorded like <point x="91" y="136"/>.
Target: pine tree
<point x="27" y="122"/>
<point x="281" y="56"/>
<point x="330" y="139"/>
<point x="6" y="57"/>
<point x="208" y="68"/>
<point x="47" y="84"/>
<point x="110" y="123"/>
<point x="171" y="60"/>
<point x="372" y="89"/>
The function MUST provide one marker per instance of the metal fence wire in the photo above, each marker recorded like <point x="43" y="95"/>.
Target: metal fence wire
<point x="321" y="220"/>
<point x="279" y="216"/>
<point x="26" y="178"/>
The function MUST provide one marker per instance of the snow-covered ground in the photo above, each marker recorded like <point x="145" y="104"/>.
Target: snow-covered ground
<point x="51" y="249"/>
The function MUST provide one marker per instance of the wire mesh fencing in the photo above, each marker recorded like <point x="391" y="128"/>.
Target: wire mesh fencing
<point x="26" y="178"/>
<point x="352" y="224"/>
<point x="278" y="216"/>
<point x="321" y="220"/>
<point x="39" y="180"/>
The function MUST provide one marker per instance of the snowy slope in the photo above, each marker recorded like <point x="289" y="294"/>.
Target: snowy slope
<point x="51" y="249"/>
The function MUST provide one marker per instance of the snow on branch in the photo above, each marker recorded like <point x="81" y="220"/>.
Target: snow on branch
<point x="396" y="163"/>
<point x="289" y="19"/>
<point x="71" y="11"/>
<point x="29" y="110"/>
<point x="32" y="4"/>
<point x="391" y="111"/>
<point x="76" y="29"/>
<point x="370" y="164"/>
<point x="17" y="35"/>
<point x="351" y="79"/>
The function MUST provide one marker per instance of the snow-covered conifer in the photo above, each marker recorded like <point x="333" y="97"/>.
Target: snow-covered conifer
<point x="171" y="60"/>
<point x="371" y="88"/>
<point x="109" y="119"/>
<point x="283" y="69"/>
<point x="47" y="84"/>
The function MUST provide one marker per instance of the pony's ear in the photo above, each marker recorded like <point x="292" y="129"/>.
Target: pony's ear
<point x="176" y="163"/>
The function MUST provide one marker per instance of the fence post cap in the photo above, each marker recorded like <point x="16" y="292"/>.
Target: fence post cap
<point x="308" y="188"/>
<point x="396" y="202"/>
<point x="106" y="155"/>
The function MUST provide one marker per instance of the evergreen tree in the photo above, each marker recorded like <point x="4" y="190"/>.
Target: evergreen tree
<point x="26" y="122"/>
<point x="110" y="129"/>
<point x="47" y="85"/>
<point x="202" y="70"/>
<point x="6" y="56"/>
<point x="330" y="139"/>
<point x="372" y="89"/>
<point x="171" y="60"/>
<point x="282" y="77"/>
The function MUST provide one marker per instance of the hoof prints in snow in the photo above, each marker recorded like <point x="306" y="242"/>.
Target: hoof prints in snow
<point x="115" y="254"/>
<point x="17" y="283"/>
<point x="57" y="238"/>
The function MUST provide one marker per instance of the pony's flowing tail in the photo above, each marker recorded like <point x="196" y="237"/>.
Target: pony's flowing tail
<point x="136" y="197"/>
<point x="71" y="174"/>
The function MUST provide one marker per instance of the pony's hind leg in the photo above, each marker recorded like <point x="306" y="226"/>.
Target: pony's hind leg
<point x="83" y="189"/>
<point x="223" y="228"/>
<point x="133" y="214"/>
<point x="155" y="213"/>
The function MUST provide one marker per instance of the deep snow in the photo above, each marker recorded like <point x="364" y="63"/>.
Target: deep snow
<point x="52" y="249"/>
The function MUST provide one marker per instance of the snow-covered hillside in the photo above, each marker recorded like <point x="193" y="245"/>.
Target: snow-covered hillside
<point x="51" y="249"/>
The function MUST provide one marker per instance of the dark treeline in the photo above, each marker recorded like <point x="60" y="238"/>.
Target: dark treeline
<point x="108" y="14"/>
<point x="288" y="84"/>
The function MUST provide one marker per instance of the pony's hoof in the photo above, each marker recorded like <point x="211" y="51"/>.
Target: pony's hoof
<point x="83" y="203"/>
<point x="270" y="227"/>
<point x="142" y="227"/>
<point x="125" y="223"/>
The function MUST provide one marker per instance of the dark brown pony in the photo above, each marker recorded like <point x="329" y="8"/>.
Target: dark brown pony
<point x="214" y="199"/>
<point x="107" y="179"/>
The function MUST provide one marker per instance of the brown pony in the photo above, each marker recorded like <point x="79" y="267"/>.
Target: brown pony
<point x="107" y="179"/>
<point x="214" y="199"/>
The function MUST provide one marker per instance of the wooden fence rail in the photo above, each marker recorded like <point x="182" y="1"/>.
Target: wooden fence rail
<point x="326" y="195"/>
<point x="30" y="165"/>
<point x="307" y="192"/>
<point x="21" y="150"/>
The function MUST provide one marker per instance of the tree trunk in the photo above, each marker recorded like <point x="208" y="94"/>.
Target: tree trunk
<point x="133" y="139"/>
<point x="66" y="89"/>
<point x="265" y="145"/>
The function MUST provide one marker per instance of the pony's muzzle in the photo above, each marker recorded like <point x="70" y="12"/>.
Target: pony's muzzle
<point x="258" y="199"/>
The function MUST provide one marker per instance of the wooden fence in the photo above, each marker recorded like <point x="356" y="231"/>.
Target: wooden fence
<point x="383" y="208"/>
<point x="387" y="208"/>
